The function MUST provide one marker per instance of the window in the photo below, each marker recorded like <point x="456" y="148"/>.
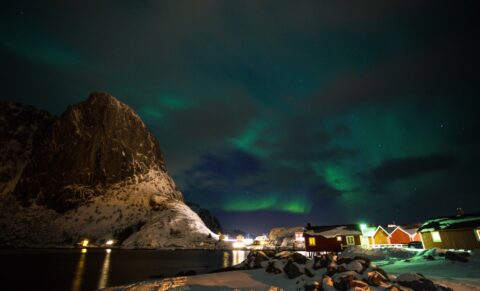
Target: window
<point x="477" y="233"/>
<point x="436" y="236"/>
<point x="311" y="241"/>
<point x="350" y="240"/>
<point x="339" y="238"/>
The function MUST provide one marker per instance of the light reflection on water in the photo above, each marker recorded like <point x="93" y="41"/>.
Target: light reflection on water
<point x="105" y="270"/>
<point x="82" y="276"/>
<point x="77" y="280"/>
<point x="238" y="257"/>
<point x="226" y="261"/>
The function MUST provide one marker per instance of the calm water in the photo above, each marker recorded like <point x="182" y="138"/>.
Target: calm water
<point x="74" y="269"/>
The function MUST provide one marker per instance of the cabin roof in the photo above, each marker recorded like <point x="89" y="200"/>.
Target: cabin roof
<point x="387" y="229"/>
<point x="452" y="222"/>
<point x="330" y="231"/>
<point x="411" y="228"/>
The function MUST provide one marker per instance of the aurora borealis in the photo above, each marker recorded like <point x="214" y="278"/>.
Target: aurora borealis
<point x="274" y="113"/>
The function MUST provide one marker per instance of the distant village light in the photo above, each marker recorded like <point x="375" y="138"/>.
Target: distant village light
<point x="109" y="242"/>
<point x="248" y="241"/>
<point x="238" y="245"/>
<point x="85" y="243"/>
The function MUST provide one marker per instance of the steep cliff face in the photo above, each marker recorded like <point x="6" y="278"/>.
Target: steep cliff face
<point x="97" y="172"/>
<point x="20" y="127"/>
<point x="95" y="143"/>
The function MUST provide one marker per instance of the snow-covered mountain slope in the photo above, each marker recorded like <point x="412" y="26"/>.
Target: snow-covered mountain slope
<point x="97" y="173"/>
<point x="207" y="217"/>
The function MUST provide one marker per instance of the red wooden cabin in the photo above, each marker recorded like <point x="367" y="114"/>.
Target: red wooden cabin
<point x="331" y="238"/>
<point x="404" y="235"/>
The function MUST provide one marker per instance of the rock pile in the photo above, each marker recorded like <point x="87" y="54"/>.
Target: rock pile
<point x="328" y="272"/>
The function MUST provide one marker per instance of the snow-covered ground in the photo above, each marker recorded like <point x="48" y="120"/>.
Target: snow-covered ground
<point x="456" y="275"/>
<point x="235" y="280"/>
<point x="452" y="274"/>
<point x="396" y="261"/>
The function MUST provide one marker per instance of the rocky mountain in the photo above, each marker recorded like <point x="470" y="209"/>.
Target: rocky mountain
<point x="207" y="217"/>
<point x="20" y="127"/>
<point x="94" y="172"/>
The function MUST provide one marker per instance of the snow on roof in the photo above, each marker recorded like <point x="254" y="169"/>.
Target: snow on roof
<point x="411" y="228"/>
<point x="388" y="228"/>
<point x="333" y="231"/>
<point x="452" y="222"/>
<point x="410" y="231"/>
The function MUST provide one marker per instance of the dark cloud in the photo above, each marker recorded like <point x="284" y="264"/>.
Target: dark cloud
<point x="404" y="168"/>
<point x="230" y="165"/>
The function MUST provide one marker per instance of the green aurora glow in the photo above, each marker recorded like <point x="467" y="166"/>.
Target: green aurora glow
<point x="267" y="107"/>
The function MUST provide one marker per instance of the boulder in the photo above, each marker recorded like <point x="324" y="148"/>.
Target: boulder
<point x="320" y="262"/>
<point x="327" y="283"/>
<point x="354" y="266"/>
<point x="314" y="286"/>
<point x="338" y="276"/>
<point x="343" y="282"/>
<point x="257" y="259"/>
<point x="331" y="269"/>
<point x="341" y="268"/>
<point x="359" y="285"/>
<point x="376" y="278"/>
<point x="274" y="267"/>
<point x="365" y="260"/>
<point x="298" y="258"/>
<point x="344" y="261"/>
<point x="283" y="255"/>
<point x="415" y="281"/>
<point x="454" y="256"/>
<point x="292" y="270"/>
<point x="381" y="271"/>
<point x="309" y="272"/>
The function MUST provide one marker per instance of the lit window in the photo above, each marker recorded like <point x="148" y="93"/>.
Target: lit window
<point x="311" y="241"/>
<point x="477" y="232"/>
<point x="339" y="238"/>
<point x="350" y="240"/>
<point x="436" y="236"/>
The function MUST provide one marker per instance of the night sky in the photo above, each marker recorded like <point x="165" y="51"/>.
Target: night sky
<point x="274" y="113"/>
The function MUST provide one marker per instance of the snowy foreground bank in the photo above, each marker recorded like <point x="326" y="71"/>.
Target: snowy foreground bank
<point x="355" y="269"/>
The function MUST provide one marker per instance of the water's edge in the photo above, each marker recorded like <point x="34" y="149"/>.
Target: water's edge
<point x="93" y="268"/>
